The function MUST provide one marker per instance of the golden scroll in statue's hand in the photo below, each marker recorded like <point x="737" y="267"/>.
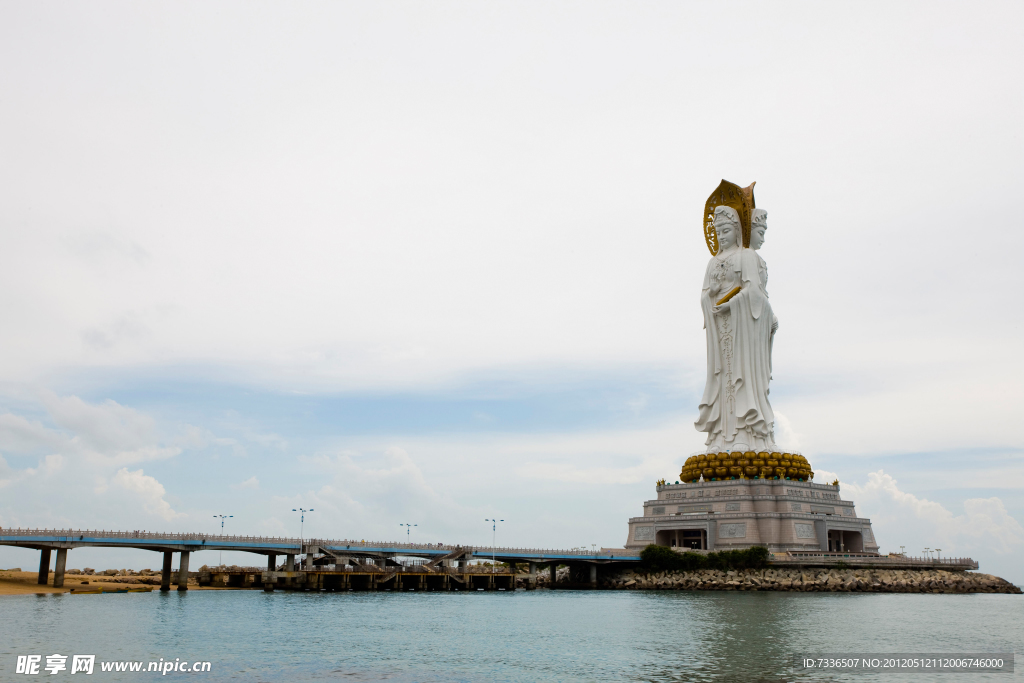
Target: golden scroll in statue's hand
<point x="728" y="296"/>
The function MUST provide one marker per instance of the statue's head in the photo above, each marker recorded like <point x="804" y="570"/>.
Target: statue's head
<point x="727" y="226"/>
<point x="758" y="226"/>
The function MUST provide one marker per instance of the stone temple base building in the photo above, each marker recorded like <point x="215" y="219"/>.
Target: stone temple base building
<point x="731" y="514"/>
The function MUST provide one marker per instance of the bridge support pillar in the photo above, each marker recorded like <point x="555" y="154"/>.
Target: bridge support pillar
<point x="271" y="562"/>
<point x="183" y="571"/>
<point x="309" y="562"/>
<point x="289" y="562"/>
<point x="58" y="569"/>
<point x="532" y="582"/>
<point x="593" y="576"/>
<point x="553" y="568"/>
<point x="44" y="566"/>
<point x="165" y="573"/>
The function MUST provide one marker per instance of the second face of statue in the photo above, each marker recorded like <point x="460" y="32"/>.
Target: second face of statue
<point x="727" y="227"/>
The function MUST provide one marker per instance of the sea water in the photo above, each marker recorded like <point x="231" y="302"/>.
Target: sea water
<point x="503" y="636"/>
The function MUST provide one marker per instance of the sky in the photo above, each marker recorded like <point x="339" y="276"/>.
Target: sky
<point x="432" y="263"/>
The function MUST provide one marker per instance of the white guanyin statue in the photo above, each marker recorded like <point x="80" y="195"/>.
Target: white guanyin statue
<point x="740" y="327"/>
<point x="759" y="225"/>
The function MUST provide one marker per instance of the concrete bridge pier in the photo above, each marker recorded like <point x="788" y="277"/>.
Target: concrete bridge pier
<point x="165" y="573"/>
<point x="271" y="562"/>
<point x="289" y="562"/>
<point x="553" y="568"/>
<point x="532" y="582"/>
<point x="183" y="571"/>
<point x="593" y="576"/>
<point x="58" y="569"/>
<point x="44" y="566"/>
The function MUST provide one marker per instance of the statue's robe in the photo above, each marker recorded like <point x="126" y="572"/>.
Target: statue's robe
<point x="734" y="410"/>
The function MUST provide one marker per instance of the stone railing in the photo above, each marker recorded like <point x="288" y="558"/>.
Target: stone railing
<point x="145" y="535"/>
<point x="796" y="557"/>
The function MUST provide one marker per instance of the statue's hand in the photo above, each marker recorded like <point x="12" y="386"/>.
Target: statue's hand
<point x="722" y="309"/>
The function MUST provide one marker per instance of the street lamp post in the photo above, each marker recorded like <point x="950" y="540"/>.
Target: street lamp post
<point x="302" y="523"/>
<point x="408" y="528"/>
<point x="222" y="518"/>
<point x="494" y="537"/>
<point x="938" y="551"/>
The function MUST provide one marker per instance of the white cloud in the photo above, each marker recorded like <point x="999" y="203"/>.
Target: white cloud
<point x="146" y="490"/>
<point x="252" y="483"/>
<point x="90" y="445"/>
<point x="7" y="474"/>
<point x="272" y="440"/>
<point x="917" y="522"/>
<point x="368" y="495"/>
<point x="824" y="476"/>
<point x="19" y="435"/>
<point x="103" y="427"/>
<point x="99" y="432"/>
<point x="785" y="436"/>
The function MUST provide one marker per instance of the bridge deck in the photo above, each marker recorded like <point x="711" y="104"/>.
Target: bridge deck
<point x="262" y="545"/>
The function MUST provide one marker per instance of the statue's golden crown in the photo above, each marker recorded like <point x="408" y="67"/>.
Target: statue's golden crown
<point x="739" y="198"/>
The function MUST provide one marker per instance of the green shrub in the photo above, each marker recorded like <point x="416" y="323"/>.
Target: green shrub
<point x="659" y="558"/>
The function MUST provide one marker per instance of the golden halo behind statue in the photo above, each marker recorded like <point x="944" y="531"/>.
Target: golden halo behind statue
<point x="739" y="198"/>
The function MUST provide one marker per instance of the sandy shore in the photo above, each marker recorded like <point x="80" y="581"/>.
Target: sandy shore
<point x="24" y="583"/>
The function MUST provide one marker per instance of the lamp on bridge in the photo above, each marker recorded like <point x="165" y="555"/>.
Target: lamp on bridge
<point x="408" y="528"/>
<point x="222" y="518"/>
<point x="494" y="536"/>
<point x="302" y="522"/>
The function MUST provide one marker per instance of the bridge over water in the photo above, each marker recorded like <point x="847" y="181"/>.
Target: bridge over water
<point x="317" y="551"/>
<point x="335" y="562"/>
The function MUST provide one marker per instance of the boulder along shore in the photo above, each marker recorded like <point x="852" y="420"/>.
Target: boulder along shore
<point x="808" y="579"/>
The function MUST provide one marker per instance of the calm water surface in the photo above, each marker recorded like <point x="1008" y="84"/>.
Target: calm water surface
<point x="520" y="636"/>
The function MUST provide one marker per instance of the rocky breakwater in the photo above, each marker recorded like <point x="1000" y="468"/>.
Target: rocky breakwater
<point x="812" y="580"/>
